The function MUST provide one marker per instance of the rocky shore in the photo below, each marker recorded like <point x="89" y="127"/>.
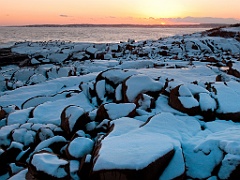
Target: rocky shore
<point x="154" y="109"/>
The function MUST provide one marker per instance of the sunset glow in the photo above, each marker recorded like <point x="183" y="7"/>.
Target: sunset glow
<point x="117" y="12"/>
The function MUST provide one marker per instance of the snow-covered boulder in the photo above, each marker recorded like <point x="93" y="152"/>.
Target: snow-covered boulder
<point x="45" y="165"/>
<point x="118" y="156"/>
<point x="91" y="51"/>
<point x="230" y="167"/>
<point x="53" y="144"/>
<point x="182" y="99"/>
<point x="144" y="102"/>
<point x="79" y="147"/>
<point x="24" y="136"/>
<point x="5" y="134"/>
<point x="58" y="57"/>
<point x="73" y="118"/>
<point x="228" y="106"/>
<point x="137" y="84"/>
<point x="208" y="106"/>
<point x="43" y="134"/>
<point x="114" y="76"/>
<point x="114" y="111"/>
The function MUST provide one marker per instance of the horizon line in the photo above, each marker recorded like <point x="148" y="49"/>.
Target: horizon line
<point x="119" y="25"/>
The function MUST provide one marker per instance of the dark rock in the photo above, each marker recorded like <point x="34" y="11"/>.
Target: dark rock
<point x="2" y="113"/>
<point x="7" y="57"/>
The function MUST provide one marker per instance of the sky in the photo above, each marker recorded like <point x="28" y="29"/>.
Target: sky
<point x="26" y="12"/>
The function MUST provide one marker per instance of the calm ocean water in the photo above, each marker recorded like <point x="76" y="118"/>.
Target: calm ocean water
<point x="88" y="34"/>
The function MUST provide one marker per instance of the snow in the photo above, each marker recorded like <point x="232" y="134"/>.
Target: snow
<point x="226" y="98"/>
<point x="50" y="164"/>
<point x="100" y="89"/>
<point x="58" y="57"/>
<point x="44" y="112"/>
<point x="73" y="113"/>
<point x="232" y="29"/>
<point x="5" y="133"/>
<point x="66" y="75"/>
<point x="124" y="125"/>
<point x="74" y="167"/>
<point x="20" y="175"/>
<point x="118" y="93"/>
<point x="207" y="102"/>
<point x="48" y="142"/>
<point x="229" y="164"/>
<point x="117" y="76"/>
<point x="116" y="111"/>
<point x="188" y="102"/>
<point x="184" y="91"/>
<point x="80" y="147"/>
<point x="115" y="155"/>
<point x="136" y="86"/>
<point x="15" y="169"/>
<point x="18" y="117"/>
<point x="91" y="50"/>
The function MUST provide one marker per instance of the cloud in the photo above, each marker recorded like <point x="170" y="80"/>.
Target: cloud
<point x="64" y="15"/>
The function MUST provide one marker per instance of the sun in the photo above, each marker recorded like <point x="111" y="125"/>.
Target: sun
<point x="162" y="23"/>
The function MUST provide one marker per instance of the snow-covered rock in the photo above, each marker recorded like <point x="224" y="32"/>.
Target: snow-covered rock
<point x="79" y="147"/>
<point x="137" y="84"/>
<point x="47" y="165"/>
<point x="114" y="111"/>
<point x="73" y="118"/>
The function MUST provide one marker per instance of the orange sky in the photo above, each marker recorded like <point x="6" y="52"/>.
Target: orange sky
<point x="22" y="12"/>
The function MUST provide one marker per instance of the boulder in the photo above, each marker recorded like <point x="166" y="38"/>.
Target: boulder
<point x="2" y="113"/>
<point x="208" y="106"/>
<point x="114" y="77"/>
<point x="114" y="111"/>
<point x="45" y="165"/>
<point x="117" y="157"/>
<point x="230" y="167"/>
<point x="182" y="99"/>
<point x="73" y="118"/>
<point x="54" y="144"/>
<point x="228" y="108"/>
<point x="137" y="84"/>
<point x="79" y="148"/>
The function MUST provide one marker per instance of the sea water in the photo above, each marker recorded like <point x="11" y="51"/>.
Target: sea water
<point x="89" y="34"/>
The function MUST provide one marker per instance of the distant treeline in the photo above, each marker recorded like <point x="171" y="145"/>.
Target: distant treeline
<point x="128" y="25"/>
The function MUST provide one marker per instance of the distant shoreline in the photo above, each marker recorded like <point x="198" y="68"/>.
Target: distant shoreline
<point x="124" y="25"/>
